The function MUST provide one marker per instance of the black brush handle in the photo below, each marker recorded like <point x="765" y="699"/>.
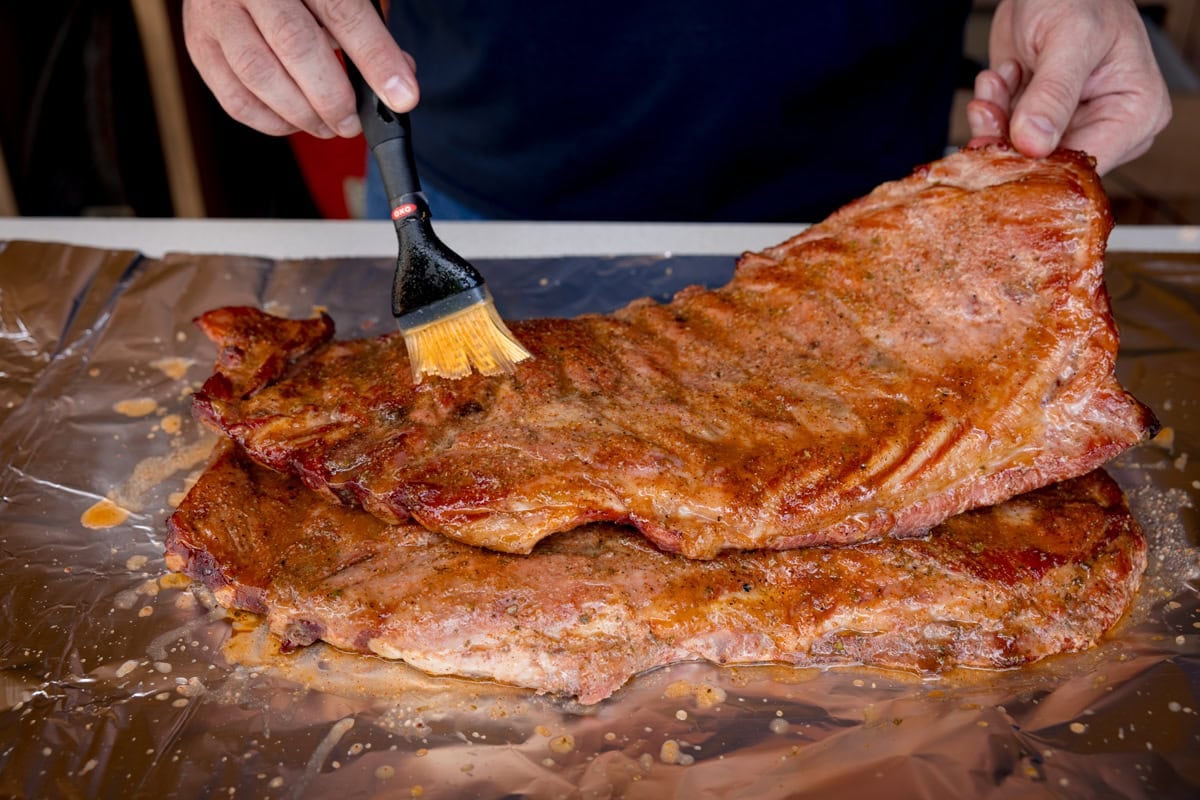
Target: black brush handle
<point x="427" y="271"/>
<point x="389" y="137"/>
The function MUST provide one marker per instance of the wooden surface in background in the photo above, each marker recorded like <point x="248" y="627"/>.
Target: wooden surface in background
<point x="158" y="44"/>
<point x="8" y="200"/>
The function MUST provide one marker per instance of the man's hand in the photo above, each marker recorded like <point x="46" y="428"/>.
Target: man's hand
<point x="272" y="63"/>
<point x="1072" y="73"/>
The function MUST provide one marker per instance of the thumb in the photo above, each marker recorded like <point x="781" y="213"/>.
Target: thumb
<point x="1044" y="110"/>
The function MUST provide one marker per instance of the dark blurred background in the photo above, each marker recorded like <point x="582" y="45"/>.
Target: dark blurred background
<point x="102" y="114"/>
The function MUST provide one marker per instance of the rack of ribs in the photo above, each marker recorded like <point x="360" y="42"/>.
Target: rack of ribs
<point x="942" y="344"/>
<point x="1044" y="573"/>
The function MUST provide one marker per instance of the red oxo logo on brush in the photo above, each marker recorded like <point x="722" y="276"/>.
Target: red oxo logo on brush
<point x="402" y="211"/>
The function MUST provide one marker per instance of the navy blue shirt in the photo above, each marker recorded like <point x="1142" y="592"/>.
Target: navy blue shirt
<point x="743" y="110"/>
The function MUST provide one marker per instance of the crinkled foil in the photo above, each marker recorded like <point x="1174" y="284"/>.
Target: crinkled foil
<point x="116" y="681"/>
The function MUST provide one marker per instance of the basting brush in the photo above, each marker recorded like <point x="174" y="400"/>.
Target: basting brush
<point x="444" y="309"/>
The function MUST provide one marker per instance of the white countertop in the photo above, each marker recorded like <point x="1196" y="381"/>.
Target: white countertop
<point x="333" y="238"/>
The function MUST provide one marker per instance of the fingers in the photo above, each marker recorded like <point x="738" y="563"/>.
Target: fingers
<point x="366" y="40"/>
<point x="1000" y="85"/>
<point x="1087" y="80"/>
<point x="1125" y="102"/>
<point x="272" y="64"/>
<point x="984" y="141"/>
<point x="1115" y="129"/>
<point x="238" y="101"/>
<point x="987" y="120"/>
<point x="988" y="112"/>
<point x="226" y="41"/>
<point x="1043" y="113"/>
<point x="291" y="67"/>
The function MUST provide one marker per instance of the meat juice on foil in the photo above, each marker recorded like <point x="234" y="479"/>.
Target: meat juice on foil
<point x="120" y="680"/>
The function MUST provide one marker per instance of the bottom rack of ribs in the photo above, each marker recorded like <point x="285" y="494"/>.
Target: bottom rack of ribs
<point x="1044" y="573"/>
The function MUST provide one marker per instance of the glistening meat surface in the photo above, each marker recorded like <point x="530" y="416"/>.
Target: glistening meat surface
<point x="942" y="344"/>
<point x="1044" y="573"/>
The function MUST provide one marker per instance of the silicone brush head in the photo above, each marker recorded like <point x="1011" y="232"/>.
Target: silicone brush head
<point x="473" y="338"/>
<point x="446" y="313"/>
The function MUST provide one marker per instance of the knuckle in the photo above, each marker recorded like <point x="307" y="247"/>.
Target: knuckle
<point x="1151" y="113"/>
<point x="1164" y="115"/>
<point x="192" y="43"/>
<point x="239" y="105"/>
<point x="293" y="37"/>
<point x="195" y="27"/>
<point x="335" y="103"/>
<point x="343" y="14"/>
<point x="255" y="66"/>
<point x="194" y="9"/>
<point x="1057" y="96"/>
<point x="373" y="54"/>
<point x="277" y="127"/>
<point x="1093" y="19"/>
<point x="245" y="109"/>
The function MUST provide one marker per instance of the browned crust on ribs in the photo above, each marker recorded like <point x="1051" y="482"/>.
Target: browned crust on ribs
<point x="1045" y="573"/>
<point x="942" y="344"/>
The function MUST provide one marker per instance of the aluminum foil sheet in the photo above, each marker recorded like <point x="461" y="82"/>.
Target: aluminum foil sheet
<point x="116" y="680"/>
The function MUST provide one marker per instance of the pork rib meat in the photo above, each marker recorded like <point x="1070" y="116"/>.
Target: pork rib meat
<point x="1044" y="573"/>
<point x="942" y="344"/>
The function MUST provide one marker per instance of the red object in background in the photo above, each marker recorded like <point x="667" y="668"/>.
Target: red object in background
<point x="333" y="170"/>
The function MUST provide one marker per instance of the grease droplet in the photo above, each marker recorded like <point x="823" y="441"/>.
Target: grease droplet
<point x="103" y="514"/>
<point x="137" y="407"/>
<point x="174" y="368"/>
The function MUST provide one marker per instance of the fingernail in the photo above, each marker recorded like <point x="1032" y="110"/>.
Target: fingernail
<point x="1042" y="131"/>
<point x="1009" y="71"/>
<point x="977" y="120"/>
<point x="323" y="132"/>
<point x="398" y="92"/>
<point x="983" y="88"/>
<point x="349" y="127"/>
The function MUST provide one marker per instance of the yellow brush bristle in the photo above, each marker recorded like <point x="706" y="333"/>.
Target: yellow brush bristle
<point x="474" y="338"/>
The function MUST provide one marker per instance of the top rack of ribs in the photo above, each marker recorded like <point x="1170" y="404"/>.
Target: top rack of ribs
<point x="941" y="344"/>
